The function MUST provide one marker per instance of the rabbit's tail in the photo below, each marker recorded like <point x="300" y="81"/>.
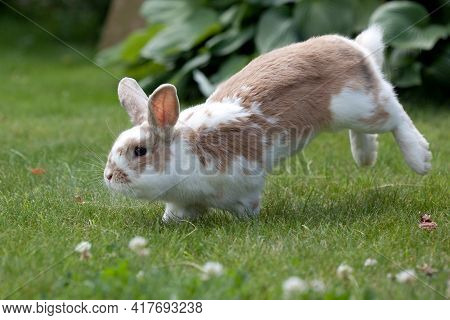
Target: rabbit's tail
<point x="372" y="40"/>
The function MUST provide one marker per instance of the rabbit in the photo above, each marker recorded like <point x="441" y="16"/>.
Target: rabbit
<point x="218" y="154"/>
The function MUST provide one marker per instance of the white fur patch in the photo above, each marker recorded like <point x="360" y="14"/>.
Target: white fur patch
<point x="349" y="107"/>
<point x="212" y="114"/>
<point x="372" y="40"/>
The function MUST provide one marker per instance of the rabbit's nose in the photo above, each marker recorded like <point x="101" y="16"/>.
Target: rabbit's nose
<point x="109" y="176"/>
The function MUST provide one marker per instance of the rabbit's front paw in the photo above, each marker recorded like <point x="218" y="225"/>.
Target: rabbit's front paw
<point x="177" y="213"/>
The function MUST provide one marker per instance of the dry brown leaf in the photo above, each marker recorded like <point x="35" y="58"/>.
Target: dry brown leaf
<point x="426" y="223"/>
<point x="427" y="269"/>
<point x="37" y="171"/>
<point x="79" y="199"/>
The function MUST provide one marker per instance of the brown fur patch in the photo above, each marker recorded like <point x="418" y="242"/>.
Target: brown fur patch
<point x="296" y="83"/>
<point x="118" y="175"/>
<point x="221" y="144"/>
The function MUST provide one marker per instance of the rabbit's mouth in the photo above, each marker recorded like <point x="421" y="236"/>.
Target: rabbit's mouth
<point x="119" y="187"/>
<point x="114" y="174"/>
<point x="116" y="179"/>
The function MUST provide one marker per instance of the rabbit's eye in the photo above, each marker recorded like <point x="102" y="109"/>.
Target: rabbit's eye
<point x="140" y="151"/>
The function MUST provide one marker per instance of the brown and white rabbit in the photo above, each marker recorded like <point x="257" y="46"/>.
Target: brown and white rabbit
<point x="216" y="155"/>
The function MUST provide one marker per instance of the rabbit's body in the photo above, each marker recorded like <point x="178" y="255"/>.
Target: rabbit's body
<point x="217" y="154"/>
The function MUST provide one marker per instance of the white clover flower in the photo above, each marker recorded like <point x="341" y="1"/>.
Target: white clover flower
<point x="406" y="276"/>
<point x="211" y="269"/>
<point x="370" y="262"/>
<point x="344" y="271"/>
<point x="293" y="286"/>
<point x="317" y="285"/>
<point x="138" y="245"/>
<point x="84" y="248"/>
<point x="140" y="275"/>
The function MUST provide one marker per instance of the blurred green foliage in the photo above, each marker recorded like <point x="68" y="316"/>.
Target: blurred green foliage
<point x="72" y="20"/>
<point x="196" y="44"/>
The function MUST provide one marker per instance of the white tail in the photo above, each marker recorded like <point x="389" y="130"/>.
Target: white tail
<point x="372" y="40"/>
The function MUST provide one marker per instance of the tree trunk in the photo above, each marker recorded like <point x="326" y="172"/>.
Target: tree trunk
<point x="123" y="18"/>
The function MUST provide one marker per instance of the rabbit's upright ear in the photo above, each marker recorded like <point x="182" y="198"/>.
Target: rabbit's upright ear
<point x="164" y="106"/>
<point x="133" y="99"/>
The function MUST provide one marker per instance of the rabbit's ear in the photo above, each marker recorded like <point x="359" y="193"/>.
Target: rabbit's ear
<point x="133" y="99"/>
<point x="164" y="106"/>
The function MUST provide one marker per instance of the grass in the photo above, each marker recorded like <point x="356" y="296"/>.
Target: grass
<point x="60" y="113"/>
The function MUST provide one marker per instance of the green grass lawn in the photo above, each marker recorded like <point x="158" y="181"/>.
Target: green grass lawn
<point x="60" y="113"/>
